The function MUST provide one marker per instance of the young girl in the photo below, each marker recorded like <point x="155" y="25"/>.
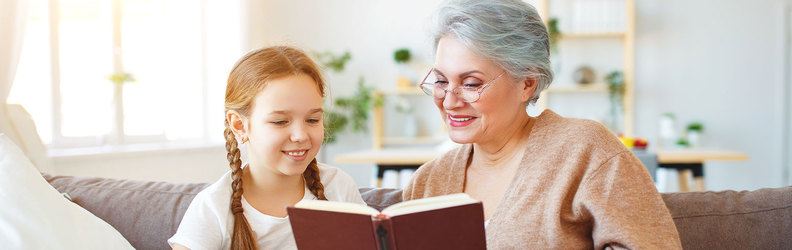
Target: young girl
<point x="273" y="105"/>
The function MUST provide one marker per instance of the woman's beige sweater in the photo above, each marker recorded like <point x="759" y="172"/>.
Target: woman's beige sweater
<point x="577" y="187"/>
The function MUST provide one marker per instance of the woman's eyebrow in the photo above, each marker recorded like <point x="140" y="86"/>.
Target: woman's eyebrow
<point x="467" y="73"/>
<point x="462" y="75"/>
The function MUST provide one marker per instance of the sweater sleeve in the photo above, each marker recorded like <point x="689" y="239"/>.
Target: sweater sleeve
<point x="415" y="189"/>
<point x="625" y="208"/>
<point x="409" y="191"/>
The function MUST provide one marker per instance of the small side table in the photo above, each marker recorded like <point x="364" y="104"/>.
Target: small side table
<point x="689" y="162"/>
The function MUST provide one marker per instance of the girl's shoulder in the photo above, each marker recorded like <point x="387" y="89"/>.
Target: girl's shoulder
<point x="339" y="186"/>
<point x="216" y="195"/>
<point x="331" y="175"/>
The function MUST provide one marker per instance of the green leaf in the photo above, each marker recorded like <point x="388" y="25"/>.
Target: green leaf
<point x="334" y="62"/>
<point x="334" y="123"/>
<point x="695" y="126"/>
<point x="402" y="55"/>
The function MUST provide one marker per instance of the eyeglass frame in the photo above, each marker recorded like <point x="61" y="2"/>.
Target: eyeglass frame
<point x="445" y="91"/>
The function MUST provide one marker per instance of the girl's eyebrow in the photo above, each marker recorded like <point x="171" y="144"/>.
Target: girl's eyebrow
<point x="285" y="112"/>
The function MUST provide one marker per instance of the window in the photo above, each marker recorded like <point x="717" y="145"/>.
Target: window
<point x="178" y="52"/>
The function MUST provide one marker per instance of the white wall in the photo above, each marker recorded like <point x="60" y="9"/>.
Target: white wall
<point x="788" y="112"/>
<point x="720" y="62"/>
<point x="200" y="164"/>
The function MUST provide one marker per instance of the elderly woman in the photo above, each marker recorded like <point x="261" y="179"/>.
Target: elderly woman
<point x="545" y="181"/>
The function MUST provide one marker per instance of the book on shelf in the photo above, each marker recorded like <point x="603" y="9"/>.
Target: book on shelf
<point x="453" y="221"/>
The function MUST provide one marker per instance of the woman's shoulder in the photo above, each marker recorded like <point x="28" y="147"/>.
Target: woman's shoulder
<point x="574" y="127"/>
<point x="444" y="163"/>
<point x="556" y="129"/>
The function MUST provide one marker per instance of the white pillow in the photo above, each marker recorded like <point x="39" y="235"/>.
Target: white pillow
<point x="33" y="215"/>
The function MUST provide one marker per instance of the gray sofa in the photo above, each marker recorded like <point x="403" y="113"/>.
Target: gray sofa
<point x="148" y="213"/>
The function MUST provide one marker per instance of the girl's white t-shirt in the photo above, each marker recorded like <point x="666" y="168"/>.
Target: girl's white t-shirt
<point x="208" y="222"/>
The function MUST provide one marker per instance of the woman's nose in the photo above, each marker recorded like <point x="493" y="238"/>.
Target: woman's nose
<point x="451" y="101"/>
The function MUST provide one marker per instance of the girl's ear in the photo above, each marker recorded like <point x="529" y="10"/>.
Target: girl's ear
<point x="237" y="123"/>
<point x="528" y="88"/>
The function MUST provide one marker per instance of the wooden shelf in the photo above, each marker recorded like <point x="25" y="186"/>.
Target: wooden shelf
<point x="594" y="35"/>
<point x="577" y="88"/>
<point x="625" y="36"/>
<point x="378" y="132"/>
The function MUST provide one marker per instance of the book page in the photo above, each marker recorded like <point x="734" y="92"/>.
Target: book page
<point x="337" y="206"/>
<point x="427" y="204"/>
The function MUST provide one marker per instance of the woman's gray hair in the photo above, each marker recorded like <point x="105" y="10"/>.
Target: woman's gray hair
<point x="509" y="32"/>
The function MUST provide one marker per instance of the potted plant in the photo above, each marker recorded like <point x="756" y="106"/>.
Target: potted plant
<point x="402" y="57"/>
<point x="404" y="107"/>
<point x="334" y="62"/>
<point x="682" y="143"/>
<point x="668" y="134"/>
<point x="694" y="130"/>
<point x="357" y="107"/>
<point x="346" y="111"/>
<point x="554" y="34"/>
<point x="615" y="81"/>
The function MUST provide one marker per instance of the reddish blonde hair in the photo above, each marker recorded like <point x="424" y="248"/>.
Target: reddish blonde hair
<point x="249" y="77"/>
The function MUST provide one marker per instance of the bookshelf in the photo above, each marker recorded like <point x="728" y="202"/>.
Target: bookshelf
<point x="379" y="138"/>
<point x="592" y="23"/>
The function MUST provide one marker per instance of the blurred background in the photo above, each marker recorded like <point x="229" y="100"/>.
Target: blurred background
<point x="133" y="89"/>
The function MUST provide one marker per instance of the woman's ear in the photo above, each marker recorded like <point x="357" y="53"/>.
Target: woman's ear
<point x="528" y="85"/>
<point x="237" y="123"/>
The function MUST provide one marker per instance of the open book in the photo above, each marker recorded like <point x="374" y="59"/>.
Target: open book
<point x="444" y="222"/>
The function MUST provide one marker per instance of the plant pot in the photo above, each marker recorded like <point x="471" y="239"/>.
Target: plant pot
<point x="694" y="138"/>
<point x="407" y="77"/>
<point x="668" y="133"/>
<point x="410" y="128"/>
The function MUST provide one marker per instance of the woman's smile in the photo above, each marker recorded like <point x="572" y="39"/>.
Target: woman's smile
<point x="460" y="120"/>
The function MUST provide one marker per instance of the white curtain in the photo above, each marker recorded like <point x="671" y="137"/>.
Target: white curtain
<point x="13" y="14"/>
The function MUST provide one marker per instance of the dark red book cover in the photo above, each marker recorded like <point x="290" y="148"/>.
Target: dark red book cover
<point x="457" y="227"/>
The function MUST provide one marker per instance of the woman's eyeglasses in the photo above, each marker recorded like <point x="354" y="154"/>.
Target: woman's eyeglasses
<point x="433" y="85"/>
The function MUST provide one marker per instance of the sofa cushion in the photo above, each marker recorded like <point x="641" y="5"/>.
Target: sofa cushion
<point x="145" y="213"/>
<point x="36" y="216"/>
<point x="760" y="219"/>
<point x="380" y="198"/>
